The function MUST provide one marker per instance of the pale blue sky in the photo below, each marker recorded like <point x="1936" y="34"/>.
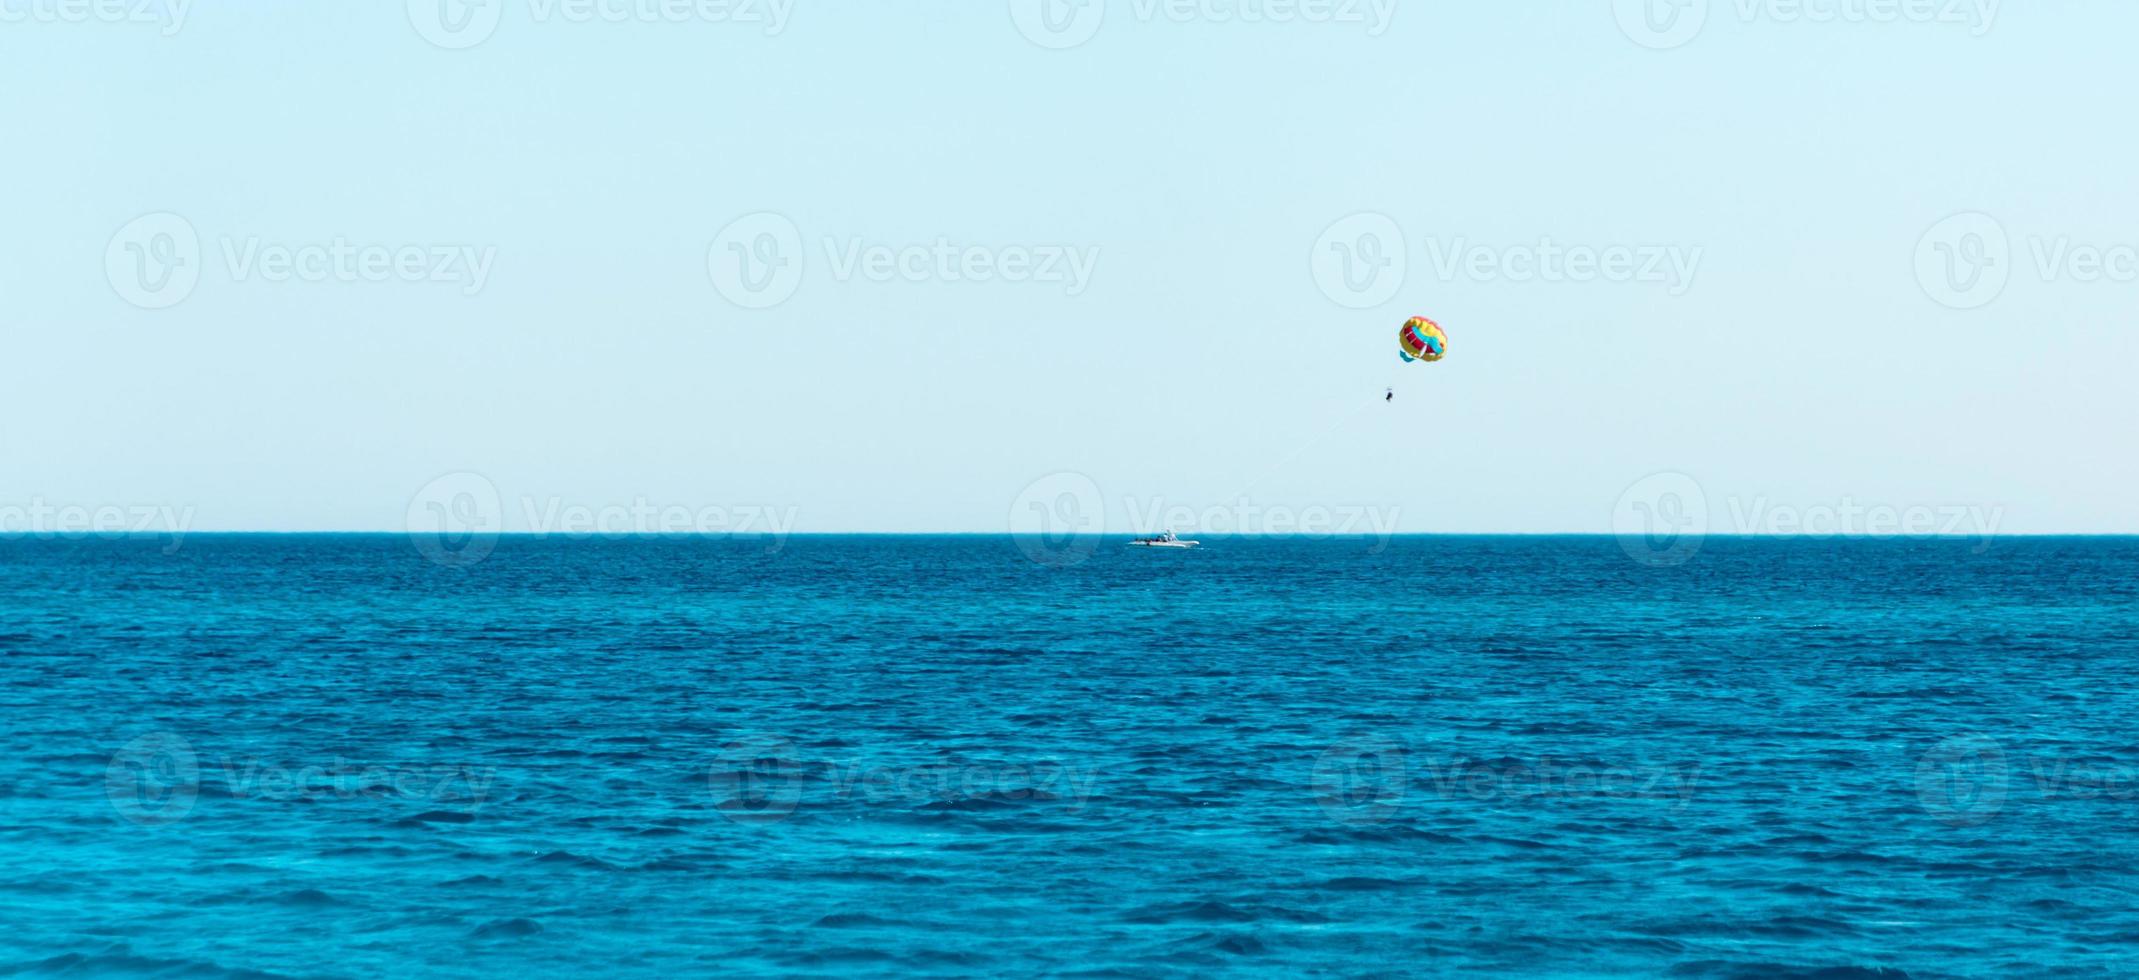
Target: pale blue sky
<point x="1804" y="363"/>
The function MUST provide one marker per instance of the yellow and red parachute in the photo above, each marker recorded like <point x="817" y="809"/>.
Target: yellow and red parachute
<point x="1421" y="339"/>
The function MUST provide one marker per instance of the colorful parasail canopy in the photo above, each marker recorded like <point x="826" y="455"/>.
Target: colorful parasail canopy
<point x="1422" y="340"/>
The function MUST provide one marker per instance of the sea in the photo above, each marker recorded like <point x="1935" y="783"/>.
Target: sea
<point x="368" y="756"/>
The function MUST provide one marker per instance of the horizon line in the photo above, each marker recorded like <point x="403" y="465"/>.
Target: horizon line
<point x="686" y="535"/>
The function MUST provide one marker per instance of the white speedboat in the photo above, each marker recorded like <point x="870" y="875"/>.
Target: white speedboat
<point x="1164" y="540"/>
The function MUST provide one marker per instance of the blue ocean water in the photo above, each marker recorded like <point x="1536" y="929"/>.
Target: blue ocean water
<point x="329" y="756"/>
